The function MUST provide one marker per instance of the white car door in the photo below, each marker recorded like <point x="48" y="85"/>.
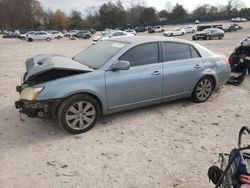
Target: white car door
<point x="44" y="35"/>
<point x="38" y="36"/>
<point x="178" y="32"/>
<point x="117" y="34"/>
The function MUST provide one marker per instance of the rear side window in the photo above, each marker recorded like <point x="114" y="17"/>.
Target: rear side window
<point x="194" y="52"/>
<point x="142" y="55"/>
<point x="176" y="51"/>
<point x="117" y="34"/>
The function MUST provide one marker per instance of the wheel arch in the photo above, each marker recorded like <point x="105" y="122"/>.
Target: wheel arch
<point x="90" y="94"/>
<point x="213" y="77"/>
<point x="57" y="106"/>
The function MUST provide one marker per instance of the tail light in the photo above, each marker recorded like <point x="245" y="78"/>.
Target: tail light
<point x="226" y="61"/>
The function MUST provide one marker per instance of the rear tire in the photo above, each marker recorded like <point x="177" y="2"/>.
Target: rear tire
<point x="78" y="113"/>
<point x="203" y="90"/>
<point x="48" y="39"/>
<point x="30" y="40"/>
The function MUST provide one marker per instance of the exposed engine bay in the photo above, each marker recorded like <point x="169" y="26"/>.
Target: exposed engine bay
<point x="240" y="62"/>
<point x="50" y="75"/>
<point x="44" y="68"/>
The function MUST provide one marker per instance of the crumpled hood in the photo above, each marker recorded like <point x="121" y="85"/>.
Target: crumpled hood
<point x="42" y="63"/>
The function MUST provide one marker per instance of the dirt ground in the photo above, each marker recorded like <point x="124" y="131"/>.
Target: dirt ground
<point x="168" y="145"/>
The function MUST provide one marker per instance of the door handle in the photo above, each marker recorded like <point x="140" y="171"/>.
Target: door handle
<point x="197" y="66"/>
<point x="155" y="73"/>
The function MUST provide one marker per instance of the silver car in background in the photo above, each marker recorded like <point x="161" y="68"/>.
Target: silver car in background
<point x="39" y="35"/>
<point x="116" y="75"/>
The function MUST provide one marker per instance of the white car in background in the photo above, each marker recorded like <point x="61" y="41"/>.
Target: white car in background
<point x="238" y="19"/>
<point x="243" y="20"/>
<point x="40" y="35"/>
<point x="111" y="34"/>
<point x="25" y="36"/>
<point x="189" y="29"/>
<point x="131" y="31"/>
<point x="56" y="34"/>
<point x="175" y="32"/>
<point x="197" y="22"/>
<point x="159" y="29"/>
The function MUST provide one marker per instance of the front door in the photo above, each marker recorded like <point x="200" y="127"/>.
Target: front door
<point x="141" y="83"/>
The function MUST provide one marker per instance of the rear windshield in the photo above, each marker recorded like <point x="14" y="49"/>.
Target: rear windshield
<point x="97" y="55"/>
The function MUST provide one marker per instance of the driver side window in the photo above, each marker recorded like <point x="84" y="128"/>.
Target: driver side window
<point x="142" y="54"/>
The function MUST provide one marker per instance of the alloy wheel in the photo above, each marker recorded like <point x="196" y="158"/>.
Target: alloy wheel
<point x="204" y="89"/>
<point x="80" y="115"/>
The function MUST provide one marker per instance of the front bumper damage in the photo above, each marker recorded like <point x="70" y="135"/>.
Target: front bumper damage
<point x="45" y="109"/>
<point x="34" y="108"/>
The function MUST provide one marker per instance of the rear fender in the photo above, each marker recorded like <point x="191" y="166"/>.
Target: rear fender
<point x="207" y="72"/>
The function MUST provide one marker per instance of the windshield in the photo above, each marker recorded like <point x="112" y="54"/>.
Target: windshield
<point x="97" y="55"/>
<point x="105" y="33"/>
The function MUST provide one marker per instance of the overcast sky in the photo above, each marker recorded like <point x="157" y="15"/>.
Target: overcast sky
<point x="81" y="5"/>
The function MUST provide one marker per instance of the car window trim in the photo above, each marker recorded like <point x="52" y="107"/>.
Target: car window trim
<point x="159" y="49"/>
<point x="195" y="49"/>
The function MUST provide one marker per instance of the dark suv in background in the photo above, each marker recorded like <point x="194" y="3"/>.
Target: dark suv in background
<point x="140" y="29"/>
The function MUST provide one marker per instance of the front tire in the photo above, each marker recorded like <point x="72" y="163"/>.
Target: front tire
<point x="48" y="39"/>
<point x="203" y="90"/>
<point x="78" y="113"/>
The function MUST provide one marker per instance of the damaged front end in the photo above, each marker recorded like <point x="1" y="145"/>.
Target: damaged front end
<point x="240" y="62"/>
<point x="39" y="70"/>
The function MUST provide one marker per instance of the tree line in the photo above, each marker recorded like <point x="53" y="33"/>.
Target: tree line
<point x="29" y="14"/>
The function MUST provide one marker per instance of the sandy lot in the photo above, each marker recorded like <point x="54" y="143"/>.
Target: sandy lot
<point x="168" y="145"/>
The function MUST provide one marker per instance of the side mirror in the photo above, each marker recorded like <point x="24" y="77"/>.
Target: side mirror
<point x="120" y="65"/>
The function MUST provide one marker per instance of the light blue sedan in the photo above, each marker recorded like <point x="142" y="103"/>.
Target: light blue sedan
<point x="116" y="75"/>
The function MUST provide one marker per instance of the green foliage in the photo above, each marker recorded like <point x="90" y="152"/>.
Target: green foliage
<point x="112" y="15"/>
<point x="163" y="14"/>
<point x="75" y="20"/>
<point x="59" y="20"/>
<point x="148" y="15"/>
<point x="28" y="14"/>
<point x="19" y="13"/>
<point x="178" y="12"/>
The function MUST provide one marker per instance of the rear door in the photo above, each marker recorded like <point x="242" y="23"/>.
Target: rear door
<point x="40" y="36"/>
<point x="141" y="83"/>
<point x="181" y="68"/>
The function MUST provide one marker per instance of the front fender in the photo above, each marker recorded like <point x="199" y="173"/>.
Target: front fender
<point x="92" y="83"/>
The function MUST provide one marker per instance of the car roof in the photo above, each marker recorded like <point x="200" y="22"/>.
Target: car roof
<point x="145" y="39"/>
